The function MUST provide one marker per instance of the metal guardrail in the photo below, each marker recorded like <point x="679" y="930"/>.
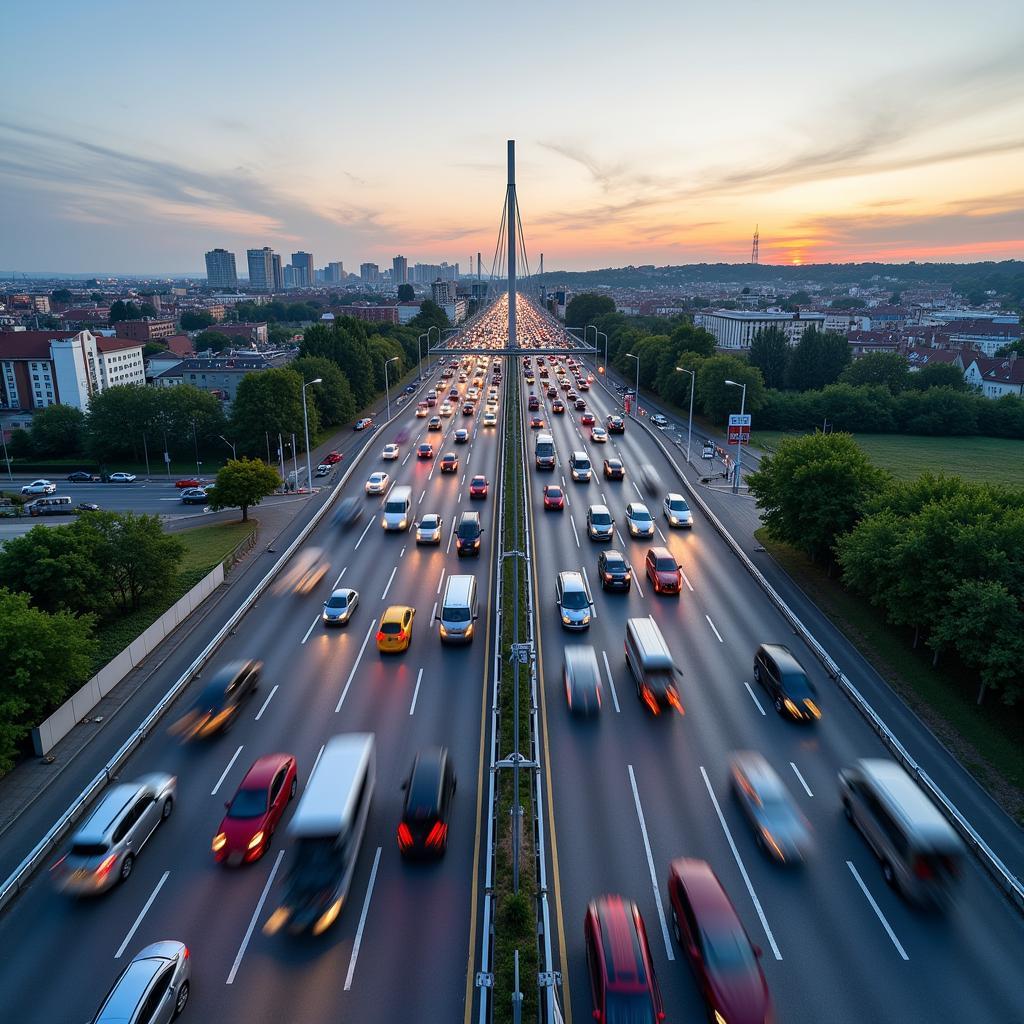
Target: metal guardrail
<point x="16" y="881"/>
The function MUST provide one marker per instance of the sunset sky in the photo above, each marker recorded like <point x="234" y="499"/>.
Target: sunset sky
<point x="134" y="137"/>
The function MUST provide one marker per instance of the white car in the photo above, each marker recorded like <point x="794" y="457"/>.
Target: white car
<point x="323" y="469"/>
<point x="338" y="608"/>
<point x="39" y="487"/>
<point x="490" y="419"/>
<point x="428" y="529"/>
<point x="446" y="409"/>
<point x="363" y="423"/>
<point x="378" y="483"/>
<point x="639" y="520"/>
<point x="390" y="452"/>
<point x="677" y="511"/>
<point x="658" y="420"/>
<point x="122" y="478"/>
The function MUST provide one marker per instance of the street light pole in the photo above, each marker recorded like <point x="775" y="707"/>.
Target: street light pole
<point x="739" y="446"/>
<point x="693" y="386"/>
<point x="234" y="454"/>
<point x="601" y="334"/>
<point x="636" y="396"/>
<point x="419" y="353"/>
<point x="305" y="422"/>
<point x="7" y="460"/>
<point x="387" y="390"/>
<point x="432" y="327"/>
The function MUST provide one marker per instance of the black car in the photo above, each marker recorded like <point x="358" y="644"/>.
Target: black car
<point x="80" y="476"/>
<point x="423" y="828"/>
<point x="216" y="708"/>
<point x="778" y="671"/>
<point x="349" y="511"/>
<point x="467" y="534"/>
<point x="614" y="571"/>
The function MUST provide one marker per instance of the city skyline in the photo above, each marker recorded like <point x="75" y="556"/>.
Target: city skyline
<point x="891" y="137"/>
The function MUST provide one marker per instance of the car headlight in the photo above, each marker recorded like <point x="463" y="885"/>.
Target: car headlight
<point x="327" y="918"/>
<point x="256" y="840"/>
<point x="219" y="842"/>
<point x="791" y="708"/>
<point x="444" y="632"/>
<point x="719" y="1019"/>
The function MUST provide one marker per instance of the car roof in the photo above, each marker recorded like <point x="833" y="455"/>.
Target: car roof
<point x="708" y="897"/>
<point x="624" y="963"/>
<point x="905" y="798"/>
<point x="571" y="579"/>
<point x="263" y="770"/>
<point x="784" y="658"/>
<point x="598" y="508"/>
<point x="226" y="673"/>
<point x="662" y="552"/>
<point x="423" y="795"/>
<point x="395" y="612"/>
<point x="761" y="775"/>
<point x="580" y="657"/>
<point x="107" y="811"/>
<point x="611" y="555"/>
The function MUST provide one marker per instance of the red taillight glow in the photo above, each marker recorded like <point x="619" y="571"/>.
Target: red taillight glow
<point x="650" y="700"/>
<point x="923" y="870"/>
<point x="437" y="835"/>
<point x="380" y="635"/>
<point x="187" y="954"/>
<point x="673" y="698"/>
<point x="106" y="864"/>
<point x="404" y="836"/>
<point x="56" y="867"/>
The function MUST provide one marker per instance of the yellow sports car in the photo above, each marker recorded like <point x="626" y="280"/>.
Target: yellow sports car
<point x="395" y="632"/>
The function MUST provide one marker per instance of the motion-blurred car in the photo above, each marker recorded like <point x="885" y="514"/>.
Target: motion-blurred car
<point x="323" y="469"/>
<point x="780" y="829"/>
<point x="104" y="847"/>
<point x="663" y="571"/>
<point x="348" y="512"/>
<point x="724" y="961"/>
<point x="649" y="478"/>
<point x="429" y="790"/>
<point x="639" y="520"/>
<point x="154" y="987"/>
<point x="219" y="703"/>
<point x="554" y="498"/>
<point x="39" y="487"/>
<point x="428" y="529"/>
<point x="333" y="458"/>
<point x="376" y="483"/>
<point x="778" y="671"/>
<point x="188" y="481"/>
<point x="194" y="496"/>
<point x="308" y="569"/>
<point x="395" y="631"/>
<point x="614" y="571"/>
<point x="362" y="424"/>
<point x="582" y="678"/>
<point x="81" y="476"/>
<point x="614" y="469"/>
<point x="449" y="462"/>
<point x="677" y="511"/>
<point x="122" y="478"/>
<point x="461" y="435"/>
<point x="425" y="451"/>
<point x="478" y="486"/>
<point x="338" y="608"/>
<point x="391" y="451"/>
<point x="446" y="409"/>
<point x="255" y="810"/>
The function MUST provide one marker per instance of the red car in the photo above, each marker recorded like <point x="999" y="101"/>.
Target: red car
<point x="332" y="457"/>
<point x="558" y="406"/>
<point x="537" y="422"/>
<point x="706" y="926"/>
<point x="425" y="451"/>
<point x="478" y="486"/>
<point x="449" y="462"/>
<point x="553" y="497"/>
<point x="663" y="571"/>
<point x="587" y="419"/>
<point x="622" y="981"/>
<point x="255" y="810"/>
<point x="189" y="481"/>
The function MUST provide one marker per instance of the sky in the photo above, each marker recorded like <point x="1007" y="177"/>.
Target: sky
<point x="136" y="136"/>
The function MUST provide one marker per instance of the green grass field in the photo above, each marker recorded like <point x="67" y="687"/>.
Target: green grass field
<point x="983" y="459"/>
<point x="207" y="545"/>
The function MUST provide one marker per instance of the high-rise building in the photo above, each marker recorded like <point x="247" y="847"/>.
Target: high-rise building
<point x="400" y="270"/>
<point x="303" y="264"/>
<point x="443" y="292"/>
<point x="278" y="273"/>
<point x="369" y="273"/>
<point x="335" y="272"/>
<point x="220" y="269"/>
<point x="261" y="268"/>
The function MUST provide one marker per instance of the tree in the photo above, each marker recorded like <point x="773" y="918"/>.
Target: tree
<point x="56" y="566"/>
<point x="1014" y="346"/>
<point x="45" y="657"/>
<point x="814" y="489"/>
<point x="848" y="302"/>
<point x="278" y="335"/>
<point x="381" y="350"/>
<point x="196" y="319"/>
<point x="345" y="344"/>
<point x="687" y="338"/>
<point x="817" y="359"/>
<point x="406" y="293"/>
<point x="769" y="352"/>
<point x="147" y="309"/>
<point x="333" y="396"/>
<point x="58" y="431"/>
<point x="937" y="375"/>
<point x="61" y="295"/>
<point x="243" y="483"/>
<point x="895" y="299"/>
<point x="718" y="399"/>
<point x="887" y="368"/>
<point x="430" y="315"/>
<point x="585" y="309"/>
<point x="118" y="417"/>
<point x="270" y="401"/>
<point x="121" y="310"/>
<point x="134" y="556"/>
<point x="213" y="340"/>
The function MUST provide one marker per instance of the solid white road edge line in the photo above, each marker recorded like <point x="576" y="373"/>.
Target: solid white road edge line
<point x="807" y="789"/>
<point x="223" y="776"/>
<point x="686" y="579"/>
<point x="142" y="914"/>
<point x="255" y="915"/>
<point x="753" y="696"/>
<point x="739" y="864"/>
<point x="878" y="911"/>
<point x="320" y="754"/>
<point x="351" y="675"/>
<point x="362" y="922"/>
<point x="650" y="865"/>
<point x="416" y="692"/>
<point x="611" y="682"/>
<point x="270" y="697"/>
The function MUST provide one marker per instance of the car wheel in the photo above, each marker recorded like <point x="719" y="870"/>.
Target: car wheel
<point x="126" y="867"/>
<point x="757" y="674"/>
<point x="180" y="1002"/>
<point x="778" y="705"/>
<point x="888" y="874"/>
<point x="294" y="787"/>
<point x="165" y="811"/>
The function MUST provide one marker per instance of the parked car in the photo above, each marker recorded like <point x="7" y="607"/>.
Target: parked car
<point x="81" y="476"/>
<point x="194" y="496"/>
<point x="122" y="478"/>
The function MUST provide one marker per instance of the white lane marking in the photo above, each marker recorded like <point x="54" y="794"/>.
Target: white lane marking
<point x="715" y="630"/>
<point x="351" y="675"/>
<point x="739" y="864"/>
<point x="255" y="917"/>
<point x="662" y="536"/>
<point x="401" y="554"/>
<point x="686" y="579"/>
<point x="365" y="531"/>
<point x="310" y="630"/>
<point x="338" y="580"/>
<point x="753" y="697"/>
<point x="807" y="789"/>
<point x="563" y="480"/>
<point x="422" y="496"/>
<point x="142" y="914"/>
<point x="636" y="580"/>
<point x="611" y="682"/>
<point x="572" y="520"/>
<point x="469" y="455"/>
<point x="320" y="754"/>
<point x="270" y="697"/>
<point x="433" y="613"/>
<point x="406" y="459"/>
<point x="223" y="774"/>
<point x="637" y="489"/>
<point x="459" y="502"/>
<point x="650" y="865"/>
<point x="593" y="608"/>
<point x="448" y="551"/>
<point x="416" y="692"/>
<point x="604" y="500"/>
<point x="622" y="541"/>
<point x="362" y="923"/>
<point x="390" y="581"/>
<point x="441" y="580"/>
<point x="878" y="911"/>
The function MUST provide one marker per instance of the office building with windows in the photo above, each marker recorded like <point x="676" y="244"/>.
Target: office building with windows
<point x="220" y="269"/>
<point x="261" y="269"/>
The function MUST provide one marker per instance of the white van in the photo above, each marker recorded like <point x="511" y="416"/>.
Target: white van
<point x="579" y="464"/>
<point x="458" y="610"/>
<point x="397" y="506"/>
<point x="55" y="505"/>
<point x="327" y="830"/>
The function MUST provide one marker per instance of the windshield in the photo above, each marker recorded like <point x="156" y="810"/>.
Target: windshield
<point x="337" y="601"/>
<point x="574" y="599"/>
<point x="600" y="518"/>
<point x="394" y="506"/>
<point x="428" y="523"/>
<point x="467" y="531"/>
<point x="727" y="951"/>
<point x="248" y="803"/>
<point x="679" y="506"/>
<point x="456" y="615"/>
<point x="665" y="564"/>
<point x="391" y="627"/>
<point x="642" y="515"/>
<point x="582" y="464"/>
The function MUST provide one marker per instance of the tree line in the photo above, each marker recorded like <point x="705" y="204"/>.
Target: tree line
<point x="938" y="556"/>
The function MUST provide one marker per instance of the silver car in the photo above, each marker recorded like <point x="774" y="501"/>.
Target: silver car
<point x="600" y="524"/>
<point x="582" y="679"/>
<point x="677" y="511"/>
<point x="153" y="988"/>
<point x="104" y="848"/>
<point x="428" y="529"/>
<point x="780" y="829"/>
<point x="639" y="520"/>
<point x="39" y="487"/>
<point x="575" y="607"/>
<point x="338" y="608"/>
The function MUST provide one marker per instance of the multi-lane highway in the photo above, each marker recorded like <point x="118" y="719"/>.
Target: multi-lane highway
<point x="627" y="791"/>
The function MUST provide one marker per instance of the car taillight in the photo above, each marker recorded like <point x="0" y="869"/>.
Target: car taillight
<point x="923" y="869"/>
<point x="673" y="698"/>
<point x="106" y="864"/>
<point x="437" y="834"/>
<point x="650" y="700"/>
<point x="380" y="635"/>
<point x="404" y="836"/>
